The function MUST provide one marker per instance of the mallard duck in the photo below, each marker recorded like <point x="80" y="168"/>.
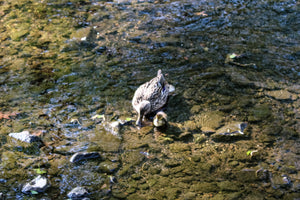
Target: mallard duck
<point x="160" y="119"/>
<point x="150" y="97"/>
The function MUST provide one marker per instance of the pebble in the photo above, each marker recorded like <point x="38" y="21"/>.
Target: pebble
<point x="25" y="136"/>
<point x="230" y="132"/>
<point x="39" y="184"/>
<point x="77" y="192"/>
<point x="232" y="129"/>
<point x="84" y="156"/>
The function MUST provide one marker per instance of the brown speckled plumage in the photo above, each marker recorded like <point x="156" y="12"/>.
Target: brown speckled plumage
<point x="151" y="96"/>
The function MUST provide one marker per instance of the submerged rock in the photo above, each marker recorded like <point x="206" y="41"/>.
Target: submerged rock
<point x="108" y="166"/>
<point x="281" y="95"/>
<point x="230" y="132"/>
<point x="278" y="181"/>
<point x="84" y="156"/>
<point x="25" y="136"/>
<point x="113" y="127"/>
<point x="259" y="112"/>
<point x="77" y="192"/>
<point x="39" y="184"/>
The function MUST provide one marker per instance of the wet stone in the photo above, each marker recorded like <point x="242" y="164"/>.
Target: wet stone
<point x="77" y="192"/>
<point x="230" y="132"/>
<point x="246" y="175"/>
<point x="195" y="109"/>
<point x="228" y="186"/>
<point x="263" y="174"/>
<point x="84" y="34"/>
<point x="280" y="181"/>
<point x="77" y="157"/>
<point x="179" y="147"/>
<point x="211" y="120"/>
<point x="207" y="130"/>
<point x="205" y="187"/>
<point x="108" y="166"/>
<point x="25" y="136"/>
<point x="259" y="112"/>
<point x="281" y="95"/>
<point x="113" y="128"/>
<point x="39" y="184"/>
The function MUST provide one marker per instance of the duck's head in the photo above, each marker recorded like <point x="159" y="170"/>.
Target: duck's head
<point x="142" y="109"/>
<point x="160" y="119"/>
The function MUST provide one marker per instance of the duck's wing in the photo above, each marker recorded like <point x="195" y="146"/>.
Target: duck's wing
<point x="159" y="95"/>
<point x="155" y="91"/>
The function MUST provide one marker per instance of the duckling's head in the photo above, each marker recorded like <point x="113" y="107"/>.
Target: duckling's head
<point x="160" y="119"/>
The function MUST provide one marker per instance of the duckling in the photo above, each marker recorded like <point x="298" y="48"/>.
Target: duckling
<point x="160" y="119"/>
<point x="150" y="97"/>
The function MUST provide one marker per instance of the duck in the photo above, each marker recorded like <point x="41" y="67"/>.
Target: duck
<point x="150" y="97"/>
<point x="160" y="119"/>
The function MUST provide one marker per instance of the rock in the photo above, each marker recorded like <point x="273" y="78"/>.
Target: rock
<point x="239" y="79"/>
<point x="195" y="109"/>
<point x="113" y="128"/>
<point x="207" y="130"/>
<point x="39" y="184"/>
<point x="246" y="175"/>
<point x="108" y="166"/>
<point x="17" y="33"/>
<point x="205" y="187"/>
<point x="281" y="95"/>
<point x="283" y="181"/>
<point x="84" y="156"/>
<point x="210" y="119"/>
<point x="228" y="186"/>
<point x="77" y="192"/>
<point x="3" y="180"/>
<point x="259" y="112"/>
<point x="84" y="34"/>
<point x="233" y="128"/>
<point x="230" y="132"/>
<point x="179" y="147"/>
<point x="263" y="174"/>
<point x="25" y="136"/>
<point x="295" y="88"/>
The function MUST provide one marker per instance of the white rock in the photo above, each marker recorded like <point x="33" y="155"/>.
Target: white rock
<point x="39" y="184"/>
<point x="25" y="136"/>
<point x="77" y="192"/>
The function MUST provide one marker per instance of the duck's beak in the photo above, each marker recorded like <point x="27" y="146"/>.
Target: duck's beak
<point x="139" y="120"/>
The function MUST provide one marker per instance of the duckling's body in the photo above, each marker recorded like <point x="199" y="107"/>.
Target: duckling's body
<point x="160" y="119"/>
<point x="150" y="97"/>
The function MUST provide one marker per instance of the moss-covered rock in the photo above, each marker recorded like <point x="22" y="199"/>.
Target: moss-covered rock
<point x="205" y="187"/>
<point x="259" y="112"/>
<point x="179" y="147"/>
<point x="228" y="186"/>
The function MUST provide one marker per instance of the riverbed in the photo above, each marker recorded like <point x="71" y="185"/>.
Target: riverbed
<point x="68" y="72"/>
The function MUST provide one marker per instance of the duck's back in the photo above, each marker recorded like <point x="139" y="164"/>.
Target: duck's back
<point x="155" y="91"/>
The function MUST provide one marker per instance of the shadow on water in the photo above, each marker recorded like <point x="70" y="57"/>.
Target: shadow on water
<point x="68" y="71"/>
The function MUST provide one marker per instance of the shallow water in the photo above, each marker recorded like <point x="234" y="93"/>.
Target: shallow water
<point x="63" y="62"/>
